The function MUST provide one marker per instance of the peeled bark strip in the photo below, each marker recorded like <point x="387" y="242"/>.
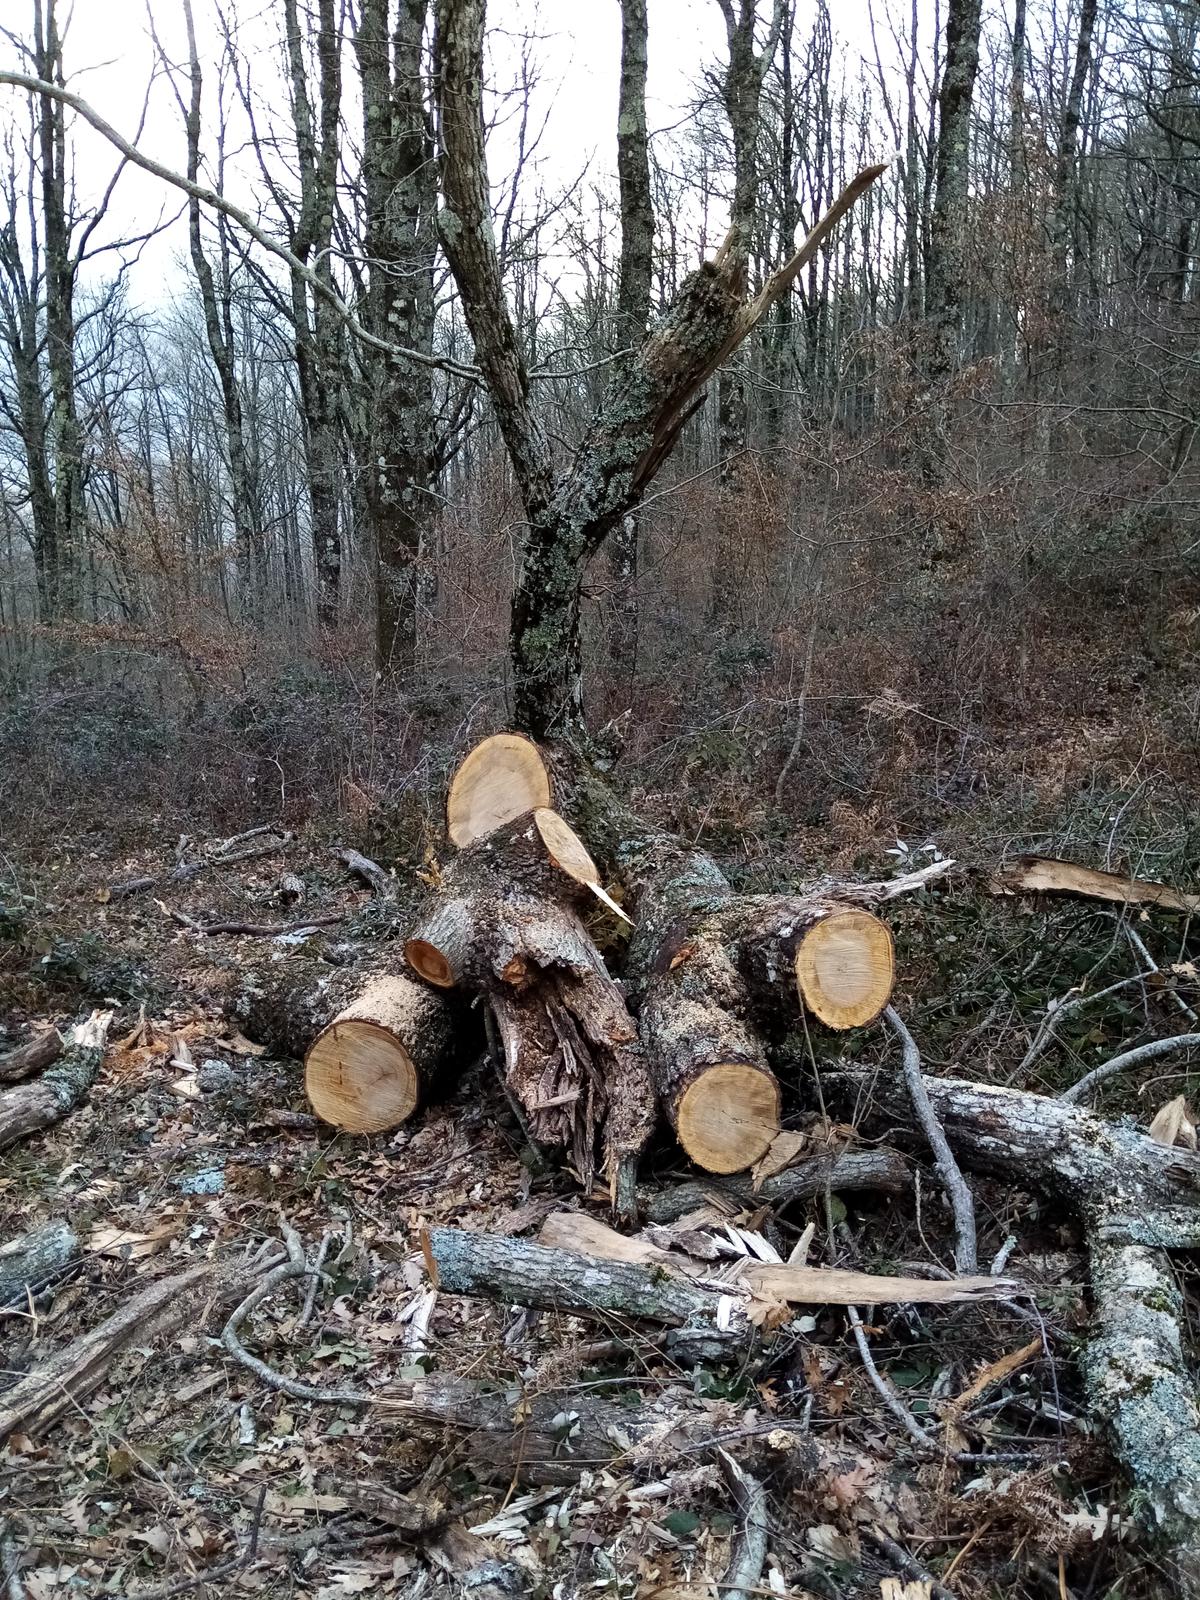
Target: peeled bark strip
<point x="1127" y="1188"/>
<point x="501" y="779"/>
<point x="554" y="1435"/>
<point x="373" y="1042"/>
<point x="1139" y="1383"/>
<point x="503" y="926"/>
<point x="31" y="1107"/>
<point x="27" y="1264"/>
<point x="35" y="1055"/>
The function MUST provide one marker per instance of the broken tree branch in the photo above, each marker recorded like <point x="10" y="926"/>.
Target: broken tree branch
<point x="30" y="1107"/>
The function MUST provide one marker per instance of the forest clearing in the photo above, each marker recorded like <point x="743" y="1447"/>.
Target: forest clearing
<point x="600" y="801"/>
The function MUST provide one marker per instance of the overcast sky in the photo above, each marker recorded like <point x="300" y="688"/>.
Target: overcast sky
<point x="110" y="59"/>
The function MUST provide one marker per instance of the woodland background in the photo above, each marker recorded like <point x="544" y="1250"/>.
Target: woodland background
<point x="925" y="561"/>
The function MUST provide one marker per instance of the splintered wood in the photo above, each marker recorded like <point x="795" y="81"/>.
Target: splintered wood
<point x="845" y="968"/>
<point x="569" y="854"/>
<point x="499" y="780"/>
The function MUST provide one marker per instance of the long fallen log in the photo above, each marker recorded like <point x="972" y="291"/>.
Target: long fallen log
<point x="550" y="1436"/>
<point x="504" y="925"/>
<point x="34" y="1259"/>
<point x="373" y="1043"/>
<point x="31" y="1107"/>
<point x="1124" y="1185"/>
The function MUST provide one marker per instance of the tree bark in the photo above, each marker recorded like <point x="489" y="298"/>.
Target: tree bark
<point x="374" y="1042"/>
<point x="33" y="1056"/>
<point x="35" y="1259"/>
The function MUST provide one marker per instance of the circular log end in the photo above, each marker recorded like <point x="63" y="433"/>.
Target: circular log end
<point x="360" y="1078"/>
<point x="728" y="1116"/>
<point x="428" y="962"/>
<point x="501" y="778"/>
<point x="845" y="968"/>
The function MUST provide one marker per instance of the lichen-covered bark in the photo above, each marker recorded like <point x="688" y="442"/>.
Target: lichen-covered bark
<point x="947" y="264"/>
<point x="29" y="1107"/>
<point x="1139" y="1382"/>
<point x="1125" y="1186"/>
<point x="36" y="1258"/>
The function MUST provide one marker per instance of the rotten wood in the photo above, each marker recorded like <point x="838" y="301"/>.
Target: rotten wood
<point x="35" y="1259"/>
<point x="35" y="1055"/>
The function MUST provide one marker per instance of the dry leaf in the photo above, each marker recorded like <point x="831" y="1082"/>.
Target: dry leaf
<point x="784" y="1149"/>
<point x="834" y="1545"/>
<point x="767" y="1314"/>
<point x="898" y="1589"/>
<point x="127" y="1245"/>
<point x="1175" y="1124"/>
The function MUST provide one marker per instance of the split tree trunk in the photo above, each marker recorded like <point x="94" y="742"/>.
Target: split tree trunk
<point x="504" y="925"/>
<point x="30" y="1107"/>
<point x="373" y="1043"/>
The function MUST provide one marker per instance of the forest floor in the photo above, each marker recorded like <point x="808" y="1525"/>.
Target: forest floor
<point x="194" y="1143"/>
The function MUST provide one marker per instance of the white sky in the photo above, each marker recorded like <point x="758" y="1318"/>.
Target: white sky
<point x="110" y="60"/>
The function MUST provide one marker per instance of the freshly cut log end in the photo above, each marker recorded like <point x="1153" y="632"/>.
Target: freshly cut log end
<point x="358" y="1072"/>
<point x="360" y="1078"/>
<point x="428" y="962"/>
<point x="500" y="779"/>
<point x="845" y="968"/>
<point x="728" y="1116"/>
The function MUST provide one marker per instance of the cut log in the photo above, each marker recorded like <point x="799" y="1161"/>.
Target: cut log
<point x="1125" y="1186"/>
<point x="503" y="927"/>
<point x="501" y="779"/>
<point x="35" y="1259"/>
<point x="30" y="1107"/>
<point x="359" y="1072"/>
<point x="554" y="1435"/>
<point x="845" y="968"/>
<point x="374" y="1043"/>
<point x="35" y="1055"/>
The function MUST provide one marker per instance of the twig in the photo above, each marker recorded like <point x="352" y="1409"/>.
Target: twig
<point x="907" y="1564"/>
<point x="1129" y="1058"/>
<point x="314" y="1282"/>
<point x="1152" y="966"/>
<point x="225" y="1569"/>
<point x="750" y="1547"/>
<point x="1050" y="1022"/>
<point x="961" y="1200"/>
<point x="891" y="1400"/>
<point x="182" y="871"/>
<point x="259" y="930"/>
<point x="296" y="1266"/>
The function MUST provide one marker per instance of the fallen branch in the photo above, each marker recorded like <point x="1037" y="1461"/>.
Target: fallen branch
<point x="1128" y="1058"/>
<point x="961" y="1200"/>
<point x="27" y="1264"/>
<point x="59" y="1383"/>
<point x="31" y="1107"/>
<point x="257" y="930"/>
<point x="750" y="1547"/>
<point x="184" y="871"/>
<point x="369" y="871"/>
<point x="35" y="1055"/>
<point x="879" y="1169"/>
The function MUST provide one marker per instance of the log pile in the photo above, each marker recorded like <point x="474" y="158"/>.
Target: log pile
<point x="588" y="1056"/>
